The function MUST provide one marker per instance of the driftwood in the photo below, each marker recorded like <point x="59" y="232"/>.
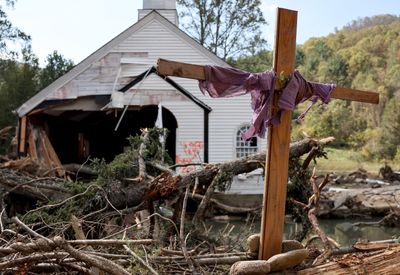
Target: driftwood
<point x="224" y="207"/>
<point x="339" y="202"/>
<point x="387" y="173"/>
<point x="381" y="262"/>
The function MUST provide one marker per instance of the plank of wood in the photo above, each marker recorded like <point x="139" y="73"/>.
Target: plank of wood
<point x="277" y="160"/>
<point x="51" y="155"/>
<point x="22" y="135"/>
<point x="172" y="68"/>
<point x="355" y="95"/>
<point x="32" y="150"/>
<point x="386" y="262"/>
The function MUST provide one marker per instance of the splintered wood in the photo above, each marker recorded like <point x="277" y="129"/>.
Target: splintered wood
<point x="41" y="150"/>
<point x="382" y="262"/>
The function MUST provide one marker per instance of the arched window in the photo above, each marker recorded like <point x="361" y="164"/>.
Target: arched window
<point x="245" y="148"/>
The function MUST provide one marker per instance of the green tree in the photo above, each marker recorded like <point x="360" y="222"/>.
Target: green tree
<point x="390" y="130"/>
<point x="18" y="82"/>
<point x="259" y="62"/>
<point x="337" y="70"/>
<point x="9" y="33"/>
<point x="56" y="66"/>
<point x="228" y="28"/>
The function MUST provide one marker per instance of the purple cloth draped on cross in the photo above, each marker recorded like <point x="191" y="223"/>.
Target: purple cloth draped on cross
<point x="228" y="82"/>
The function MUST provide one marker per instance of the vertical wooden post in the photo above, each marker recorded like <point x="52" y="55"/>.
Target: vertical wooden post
<point x="277" y="159"/>
<point x="22" y="136"/>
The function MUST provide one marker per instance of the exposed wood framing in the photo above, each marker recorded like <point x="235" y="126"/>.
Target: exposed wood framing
<point x="22" y="136"/>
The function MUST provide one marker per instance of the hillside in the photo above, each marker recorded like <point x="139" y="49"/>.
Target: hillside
<point x="365" y="54"/>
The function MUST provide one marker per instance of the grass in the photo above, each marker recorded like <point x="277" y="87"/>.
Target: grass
<point x="345" y="160"/>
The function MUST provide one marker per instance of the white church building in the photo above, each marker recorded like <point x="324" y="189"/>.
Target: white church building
<point x="81" y="111"/>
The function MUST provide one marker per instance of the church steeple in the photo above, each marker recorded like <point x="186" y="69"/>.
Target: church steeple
<point x="166" y="8"/>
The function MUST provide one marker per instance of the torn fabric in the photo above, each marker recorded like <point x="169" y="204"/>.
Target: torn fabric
<point x="229" y="82"/>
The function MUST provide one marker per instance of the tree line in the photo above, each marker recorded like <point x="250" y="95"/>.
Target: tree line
<point x="21" y="77"/>
<point x="365" y="55"/>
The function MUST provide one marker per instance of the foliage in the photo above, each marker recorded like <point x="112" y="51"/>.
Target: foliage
<point x="56" y="66"/>
<point x="9" y="33"/>
<point x="126" y="165"/>
<point x="299" y="189"/>
<point x="259" y="62"/>
<point x="364" y="55"/>
<point x="227" y="28"/>
<point x="18" y="82"/>
<point x="54" y="215"/>
<point x="390" y="130"/>
<point x="223" y="181"/>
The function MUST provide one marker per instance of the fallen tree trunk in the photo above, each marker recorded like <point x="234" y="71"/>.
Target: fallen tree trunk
<point x="235" y="167"/>
<point x="124" y="195"/>
<point x="227" y="208"/>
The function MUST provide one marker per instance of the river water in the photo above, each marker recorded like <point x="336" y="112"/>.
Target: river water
<point x="341" y="230"/>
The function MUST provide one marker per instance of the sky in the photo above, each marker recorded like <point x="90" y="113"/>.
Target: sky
<point x="77" y="28"/>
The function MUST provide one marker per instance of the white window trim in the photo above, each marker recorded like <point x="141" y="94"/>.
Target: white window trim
<point x="235" y="140"/>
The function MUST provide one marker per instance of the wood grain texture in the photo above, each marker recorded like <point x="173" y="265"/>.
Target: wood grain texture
<point x="355" y="95"/>
<point x="277" y="160"/>
<point x="22" y="135"/>
<point x="179" y="69"/>
<point x="386" y="262"/>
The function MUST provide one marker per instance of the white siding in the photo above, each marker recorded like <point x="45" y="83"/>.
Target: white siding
<point x="140" y="51"/>
<point x="226" y="115"/>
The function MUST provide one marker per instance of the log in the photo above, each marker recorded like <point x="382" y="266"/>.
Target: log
<point x="385" y="262"/>
<point x="226" y="208"/>
<point x="79" y="169"/>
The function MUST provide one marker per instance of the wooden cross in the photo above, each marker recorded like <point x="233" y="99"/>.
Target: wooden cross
<point x="277" y="159"/>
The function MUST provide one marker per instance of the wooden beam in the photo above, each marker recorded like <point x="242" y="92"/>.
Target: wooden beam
<point x="192" y="71"/>
<point x="355" y="95"/>
<point x="22" y="136"/>
<point x="172" y="68"/>
<point x="277" y="159"/>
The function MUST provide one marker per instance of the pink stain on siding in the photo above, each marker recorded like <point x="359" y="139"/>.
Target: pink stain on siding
<point x="191" y="151"/>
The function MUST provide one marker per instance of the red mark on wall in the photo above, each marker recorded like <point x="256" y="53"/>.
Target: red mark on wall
<point x="191" y="151"/>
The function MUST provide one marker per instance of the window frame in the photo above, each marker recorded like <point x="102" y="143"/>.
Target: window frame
<point x="239" y="144"/>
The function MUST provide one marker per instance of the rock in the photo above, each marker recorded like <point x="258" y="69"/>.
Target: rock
<point x="253" y="243"/>
<point x="289" y="245"/>
<point x="257" y="267"/>
<point x="287" y="260"/>
<point x="345" y="227"/>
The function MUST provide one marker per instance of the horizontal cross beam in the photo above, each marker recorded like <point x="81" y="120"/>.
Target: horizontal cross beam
<point x="192" y="71"/>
